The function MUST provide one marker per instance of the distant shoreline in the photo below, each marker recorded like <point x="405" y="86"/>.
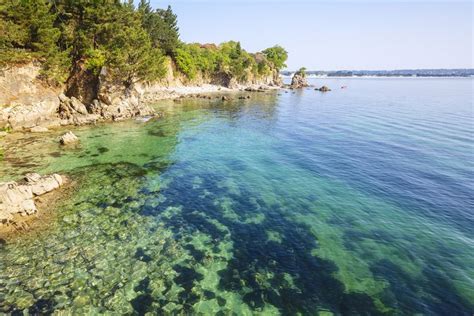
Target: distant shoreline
<point x="401" y="73"/>
<point x="375" y="77"/>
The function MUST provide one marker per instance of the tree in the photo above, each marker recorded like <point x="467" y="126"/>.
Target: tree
<point x="302" y="72"/>
<point x="27" y="30"/>
<point x="185" y="62"/>
<point x="162" y="27"/>
<point x="277" y="55"/>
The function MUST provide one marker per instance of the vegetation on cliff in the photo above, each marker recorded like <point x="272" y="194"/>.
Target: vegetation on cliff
<point x="131" y="40"/>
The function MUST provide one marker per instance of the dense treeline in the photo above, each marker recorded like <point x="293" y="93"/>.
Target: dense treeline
<point x="131" y="40"/>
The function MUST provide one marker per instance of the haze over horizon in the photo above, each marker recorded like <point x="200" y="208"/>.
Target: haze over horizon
<point x="339" y="35"/>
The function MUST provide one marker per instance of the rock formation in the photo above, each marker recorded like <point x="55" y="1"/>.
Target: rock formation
<point x="68" y="138"/>
<point x="299" y="81"/>
<point x="25" y="101"/>
<point x="18" y="198"/>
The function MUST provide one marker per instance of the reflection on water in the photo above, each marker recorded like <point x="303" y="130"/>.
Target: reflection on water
<point x="348" y="202"/>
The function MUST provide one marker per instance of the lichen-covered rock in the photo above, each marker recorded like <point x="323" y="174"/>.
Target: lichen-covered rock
<point x="68" y="138"/>
<point x="19" y="198"/>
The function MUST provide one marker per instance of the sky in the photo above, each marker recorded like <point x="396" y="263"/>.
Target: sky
<point x="337" y="35"/>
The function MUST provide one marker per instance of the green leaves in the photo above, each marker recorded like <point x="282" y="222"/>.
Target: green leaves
<point x="131" y="42"/>
<point x="228" y="58"/>
<point x="277" y="55"/>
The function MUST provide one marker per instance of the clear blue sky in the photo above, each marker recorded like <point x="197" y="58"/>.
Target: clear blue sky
<point x="332" y="35"/>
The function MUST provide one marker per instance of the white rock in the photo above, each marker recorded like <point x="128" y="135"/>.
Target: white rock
<point x="68" y="138"/>
<point x="32" y="177"/>
<point x="44" y="185"/>
<point x="28" y="207"/>
<point x="18" y="198"/>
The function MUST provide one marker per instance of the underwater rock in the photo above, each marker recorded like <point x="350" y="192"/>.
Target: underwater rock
<point x="18" y="198"/>
<point x="68" y="138"/>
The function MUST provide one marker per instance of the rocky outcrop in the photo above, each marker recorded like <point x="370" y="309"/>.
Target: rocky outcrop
<point x="116" y="101"/>
<point x="25" y="101"/>
<point x="299" y="81"/>
<point x="68" y="138"/>
<point x="72" y="111"/>
<point x="18" y="198"/>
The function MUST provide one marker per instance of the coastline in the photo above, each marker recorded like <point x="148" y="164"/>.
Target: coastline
<point x="22" y="224"/>
<point x="27" y="103"/>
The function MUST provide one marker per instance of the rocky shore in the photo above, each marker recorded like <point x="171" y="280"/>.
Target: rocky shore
<point x="28" y="104"/>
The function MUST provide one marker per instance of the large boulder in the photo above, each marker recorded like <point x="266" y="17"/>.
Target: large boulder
<point x="18" y="198"/>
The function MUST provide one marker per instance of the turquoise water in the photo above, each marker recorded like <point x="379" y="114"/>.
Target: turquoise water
<point x="356" y="201"/>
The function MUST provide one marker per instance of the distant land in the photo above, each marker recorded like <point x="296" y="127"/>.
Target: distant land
<point x="388" y="73"/>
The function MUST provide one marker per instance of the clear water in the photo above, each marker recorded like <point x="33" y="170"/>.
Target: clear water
<point x="357" y="201"/>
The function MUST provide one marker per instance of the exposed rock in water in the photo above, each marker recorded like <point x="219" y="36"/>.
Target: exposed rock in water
<point x="323" y="89"/>
<point x="299" y="81"/>
<point x="68" y="138"/>
<point x="252" y="89"/>
<point x="18" y="198"/>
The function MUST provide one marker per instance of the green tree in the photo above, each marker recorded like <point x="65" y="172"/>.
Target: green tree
<point x="277" y="55"/>
<point x="302" y="72"/>
<point x="27" y="30"/>
<point x="185" y="62"/>
<point x="161" y="25"/>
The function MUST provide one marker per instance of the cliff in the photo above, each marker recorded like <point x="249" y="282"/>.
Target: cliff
<point x="27" y="101"/>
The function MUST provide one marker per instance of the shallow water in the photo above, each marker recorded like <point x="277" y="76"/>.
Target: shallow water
<point x="356" y="201"/>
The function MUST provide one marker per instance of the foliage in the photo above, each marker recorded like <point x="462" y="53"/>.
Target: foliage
<point x="185" y="62"/>
<point x="162" y="27"/>
<point x="102" y="33"/>
<point x="27" y="31"/>
<point x="227" y="58"/>
<point x="277" y="55"/>
<point x="131" y="41"/>
<point x="302" y="72"/>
